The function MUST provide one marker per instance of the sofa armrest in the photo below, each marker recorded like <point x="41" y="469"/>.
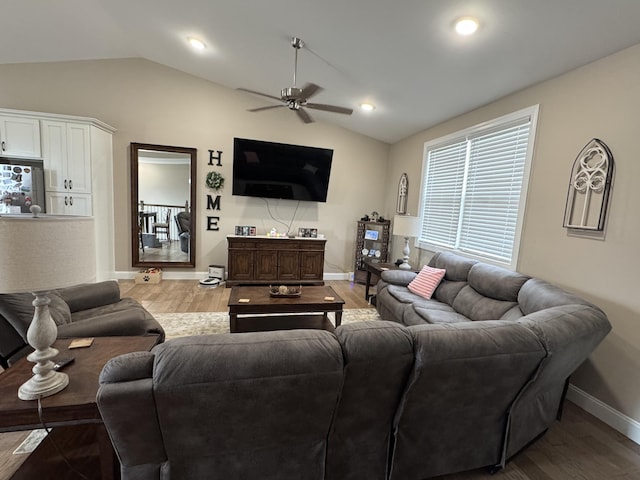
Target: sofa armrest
<point x="112" y="325"/>
<point x="398" y="277"/>
<point x="90" y="295"/>
<point x="128" y="367"/>
<point x="128" y="408"/>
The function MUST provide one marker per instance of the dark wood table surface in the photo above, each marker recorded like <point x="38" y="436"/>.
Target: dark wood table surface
<point x="313" y="299"/>
<point x="77" y="402"/>
<point x="375" y="268"/>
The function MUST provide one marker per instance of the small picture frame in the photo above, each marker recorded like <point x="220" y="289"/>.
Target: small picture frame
<point x="371" y="235"/>
<point x="245" y="231"/>
<point x="308" y="232"/>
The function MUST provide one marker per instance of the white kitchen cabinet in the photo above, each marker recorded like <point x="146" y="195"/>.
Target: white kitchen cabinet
<point x="66" y="149"/>
<point x="61" y="203"/>
<point x="19" y="137"/>
<point x="80" y="151"/>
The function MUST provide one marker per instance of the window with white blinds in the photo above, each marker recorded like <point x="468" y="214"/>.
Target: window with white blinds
<point x="474" y="188"/>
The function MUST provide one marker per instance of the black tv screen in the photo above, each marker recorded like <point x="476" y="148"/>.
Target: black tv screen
<point x="278" y="170"/>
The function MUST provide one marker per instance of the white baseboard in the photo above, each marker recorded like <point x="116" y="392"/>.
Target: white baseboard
<point x="336" y="276"/>
<point x="167" y="274"/>
<point x="615" y="419"/>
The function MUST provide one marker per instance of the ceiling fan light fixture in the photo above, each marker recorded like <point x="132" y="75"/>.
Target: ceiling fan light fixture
<point x="196" y="43"/>
<point x="367" y="107"/>
<point x="466" y="26"/>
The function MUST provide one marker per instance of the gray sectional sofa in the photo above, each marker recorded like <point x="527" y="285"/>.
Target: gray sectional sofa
<point x="87" y="310"/>
<point x="376" y="400"/>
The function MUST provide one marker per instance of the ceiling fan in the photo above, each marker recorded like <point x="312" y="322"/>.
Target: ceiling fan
<point x="296" y="98"/>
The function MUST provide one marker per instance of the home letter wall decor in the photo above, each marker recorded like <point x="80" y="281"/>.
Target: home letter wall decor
<point x="212" y="158"/>
<point x="215" y="181"/>
<point x="589" y="188"/>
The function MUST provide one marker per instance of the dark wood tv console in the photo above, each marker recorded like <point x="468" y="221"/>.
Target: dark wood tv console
<point x="262" y="260"/>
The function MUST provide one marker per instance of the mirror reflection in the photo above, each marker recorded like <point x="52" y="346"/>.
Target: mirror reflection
<point x="163" y="203"/>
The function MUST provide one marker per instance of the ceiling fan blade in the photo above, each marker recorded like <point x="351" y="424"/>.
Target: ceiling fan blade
<point x="304" y="116"/>
<point x="259" y="109"/>
<point x="309" y="90"/>
<point x="329" y="108"/>
<point x="258" y="93"/>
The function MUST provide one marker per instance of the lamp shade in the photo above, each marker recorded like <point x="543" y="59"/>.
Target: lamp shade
<point x="406" y="226"/>
<point x="46" y="252"/>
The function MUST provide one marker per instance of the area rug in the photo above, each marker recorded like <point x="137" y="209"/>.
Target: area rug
<point x="204" y="323"/>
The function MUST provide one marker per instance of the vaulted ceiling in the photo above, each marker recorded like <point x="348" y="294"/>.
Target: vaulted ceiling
<point x="402" y="56"/>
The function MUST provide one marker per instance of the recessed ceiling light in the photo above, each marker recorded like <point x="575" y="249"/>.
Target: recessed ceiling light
<point x="196" y="43"/>
<point x="367" y="107"/>
<point x="466" y="25"/>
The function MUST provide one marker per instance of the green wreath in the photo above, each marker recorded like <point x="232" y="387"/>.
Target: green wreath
<point x="215" y="180"/>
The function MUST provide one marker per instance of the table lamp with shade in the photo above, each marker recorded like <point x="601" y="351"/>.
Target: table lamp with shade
<point x="41" y="253"/>
<point x="406" y="226"/>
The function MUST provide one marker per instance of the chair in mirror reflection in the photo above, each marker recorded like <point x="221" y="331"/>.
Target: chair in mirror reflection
<point x="163" y="227"/>
<point x="166" y="234"/>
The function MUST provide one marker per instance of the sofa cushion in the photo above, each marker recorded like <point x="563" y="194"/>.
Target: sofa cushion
<point x="398" y="277"/>
<point x="537" y="295"/>
<point x="127" y="307"/>
<point x="496" y="282"/>
<point x="18" y="310"/>
<point x="401" y="294"/>
<point x="448" y="290"/>
<point x="478" y="307"/>
<point x="457" y="267"/>
<point x="431" y="315"/>
<point x="59" y="309"/>
<point x="426" y="281"/>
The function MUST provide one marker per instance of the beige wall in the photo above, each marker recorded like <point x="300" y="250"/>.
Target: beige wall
<point x="149" y="103"/>
<point x="153" y="179"/>
<point x="600" y="100"/>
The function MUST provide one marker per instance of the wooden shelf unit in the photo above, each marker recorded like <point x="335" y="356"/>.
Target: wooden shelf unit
<point x="381" y="244"/>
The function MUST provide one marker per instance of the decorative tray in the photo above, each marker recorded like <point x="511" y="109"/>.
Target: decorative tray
<point x="284" y="291"/>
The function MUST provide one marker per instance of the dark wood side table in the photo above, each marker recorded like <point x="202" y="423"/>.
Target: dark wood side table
<point x="375" y="268"/>
<point x="76" y="404"/>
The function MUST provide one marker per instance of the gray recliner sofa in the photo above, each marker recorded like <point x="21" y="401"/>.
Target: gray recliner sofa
<point x="376" y="400"/>
<point x="87" y="310"/>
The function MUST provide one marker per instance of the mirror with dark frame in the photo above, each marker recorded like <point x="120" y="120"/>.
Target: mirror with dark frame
<point x="163" y="202"/>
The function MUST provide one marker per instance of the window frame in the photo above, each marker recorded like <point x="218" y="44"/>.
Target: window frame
<point x="465" y="135"/>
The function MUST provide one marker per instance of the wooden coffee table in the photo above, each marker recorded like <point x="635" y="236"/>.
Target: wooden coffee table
<point x="76" y="404"/>
<point x="285" y="312"/>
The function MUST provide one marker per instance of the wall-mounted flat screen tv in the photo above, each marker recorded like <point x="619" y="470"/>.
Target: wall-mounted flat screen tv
<point x="279" y="170"/>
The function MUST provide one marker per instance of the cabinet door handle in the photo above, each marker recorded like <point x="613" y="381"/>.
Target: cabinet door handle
<point x="70" y="184"/>
<point x="66" y="184"/>
<point x="3" y="146"/>
<point x="71" y="201"/>
<point x="66" y="200"/>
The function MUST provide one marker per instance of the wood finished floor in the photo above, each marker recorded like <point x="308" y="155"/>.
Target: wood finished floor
<point x="176" y="296"/>
<point x="579" y="447"/>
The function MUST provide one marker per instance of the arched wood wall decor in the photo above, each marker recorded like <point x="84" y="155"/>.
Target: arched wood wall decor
<point x="403" y="190"/>
<point x="589" y="188"/>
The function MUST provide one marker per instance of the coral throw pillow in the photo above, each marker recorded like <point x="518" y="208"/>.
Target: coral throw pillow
<point x="426" y="281"/>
